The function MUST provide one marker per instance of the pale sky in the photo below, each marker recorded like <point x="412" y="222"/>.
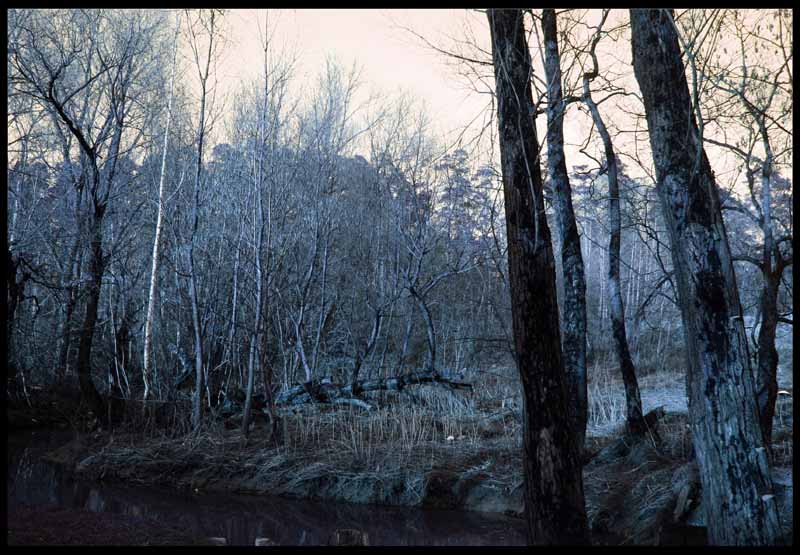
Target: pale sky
<point x="391" y="59"/>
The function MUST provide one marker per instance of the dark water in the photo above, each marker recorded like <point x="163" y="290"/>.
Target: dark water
<point x="241" y="519"/>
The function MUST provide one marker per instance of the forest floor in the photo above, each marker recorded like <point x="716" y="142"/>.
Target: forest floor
<point x="435" y="448"/>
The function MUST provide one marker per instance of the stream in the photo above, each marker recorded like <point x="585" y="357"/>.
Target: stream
<point x="241" y="519"/>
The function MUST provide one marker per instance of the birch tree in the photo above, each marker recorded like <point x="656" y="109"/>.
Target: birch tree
<point x="148" y="372"/>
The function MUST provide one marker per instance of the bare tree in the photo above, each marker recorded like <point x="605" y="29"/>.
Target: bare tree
<point x="635" y="418"/>
<point x="207" y="25"/>
<point x="148" y="372"/>
<point x="71" y="64"/>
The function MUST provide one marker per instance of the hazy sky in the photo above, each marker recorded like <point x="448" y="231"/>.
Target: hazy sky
<point x="391" y="59"/>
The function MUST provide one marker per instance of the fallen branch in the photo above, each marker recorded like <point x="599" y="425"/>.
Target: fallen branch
<point x="325" y="391"/>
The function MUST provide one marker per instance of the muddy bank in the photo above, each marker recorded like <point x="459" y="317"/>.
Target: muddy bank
<point x="632" y="490"/>
<point x="242" y="519"/>
<point x="483" y="481"/>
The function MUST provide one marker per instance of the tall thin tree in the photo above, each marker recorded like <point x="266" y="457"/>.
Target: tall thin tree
<point x="258" y="228"/>
<point x="208" y="22"/>
<point x="633" y="400"/>
<point x="555" y="508"/>
<point x="573" y="312"/>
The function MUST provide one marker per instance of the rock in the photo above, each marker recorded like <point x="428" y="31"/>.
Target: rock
<point x="488" y="498"/>
<point x="217" y="541"/>
<point x="264" y="542"/>
<point x="349" y="537"/>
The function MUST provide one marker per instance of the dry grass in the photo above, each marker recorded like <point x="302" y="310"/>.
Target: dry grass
<point x="412" y="430"/>
<point x="409" y="434"/>
<point x="342" y="452"/>
<point x="607" y="409"/>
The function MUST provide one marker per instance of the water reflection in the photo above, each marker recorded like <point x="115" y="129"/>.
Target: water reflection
<point x="241" y="519"/>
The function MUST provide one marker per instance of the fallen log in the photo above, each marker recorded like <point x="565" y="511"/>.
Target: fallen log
<point x="622" y="446"/>
<point x="325" y="391"/>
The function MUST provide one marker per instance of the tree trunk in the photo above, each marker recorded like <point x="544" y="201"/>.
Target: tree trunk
<point x="371" y="343"/>
<point x="554" y="500"/>
<point x="430" y="364"/>
<point x="326" y="391"/>
<point x="13" y="293"/>
<point x="76" y="257"/>
<point x="193" y="294"/>
<point x="252" y="359"/>
<point x="767" y="371"/>
<point x="89" y="392"/>
<point x="772" y="265"/>
<point x="737" y="487"/>
<point x="573" y="313"/>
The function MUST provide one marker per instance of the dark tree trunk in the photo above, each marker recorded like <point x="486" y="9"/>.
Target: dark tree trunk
<point x="13" y="292"/>
<point x="616" y="311"/>
<point x="72" y="300"/>
<point x="555" y="508"/>
<point x="573" y="312"/>
<point x="767" y="372"/>
<point x="633" y="401"/>
<point x="430" y="362"/>
<point x="89" y="392"/>
<point x="737" y="487"/>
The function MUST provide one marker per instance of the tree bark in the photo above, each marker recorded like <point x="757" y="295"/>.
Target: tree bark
<point x="737" y="487"/>
<point x="259" y="237"/>
<point x="554" y="500"/>
<point x="772" y="265"/>
<point x="89" y="392"/>
<point x="74" y="274"/>
<point x="767" y="370"/>
<point x="193" y="293"/>
<point x="430" y="331"/>
<point x="573" y="313"/>
<point x="325" y="391"/>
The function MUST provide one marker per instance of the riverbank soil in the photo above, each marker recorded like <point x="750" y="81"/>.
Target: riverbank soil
<point x="53" y="525"/>
<point x="437" y="449"/>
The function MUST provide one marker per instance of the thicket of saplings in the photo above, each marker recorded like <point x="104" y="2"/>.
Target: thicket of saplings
<point x="346" y="333"/>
